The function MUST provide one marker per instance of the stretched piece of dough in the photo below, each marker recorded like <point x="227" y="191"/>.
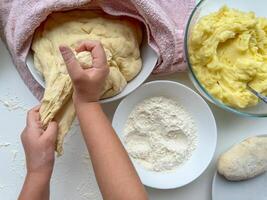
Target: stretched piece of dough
<point x="114" y="83"/>
<point x="244" y="160"/>
<point x="120" y="38"/>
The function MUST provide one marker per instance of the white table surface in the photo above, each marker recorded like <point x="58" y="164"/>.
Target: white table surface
<point x="73" y="177"/>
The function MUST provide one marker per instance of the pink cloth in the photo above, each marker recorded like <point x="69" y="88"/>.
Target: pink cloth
<point x="164" y="21"/>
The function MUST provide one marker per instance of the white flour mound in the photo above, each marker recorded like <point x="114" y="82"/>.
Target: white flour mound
<point x="160" y="134"/>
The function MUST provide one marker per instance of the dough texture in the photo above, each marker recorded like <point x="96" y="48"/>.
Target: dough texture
<point x="120" y="37"/>
<point x="228" y="50"/>
<point x="245" y="160"/>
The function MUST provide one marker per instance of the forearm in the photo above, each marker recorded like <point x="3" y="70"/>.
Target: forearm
<point x="114" y="171"/>
<point x="35" y="187"/>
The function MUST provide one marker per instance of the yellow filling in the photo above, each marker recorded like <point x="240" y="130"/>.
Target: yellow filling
<point x="228" y="50"/>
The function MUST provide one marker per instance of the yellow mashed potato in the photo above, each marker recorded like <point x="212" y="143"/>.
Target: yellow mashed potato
<point x="228" y="50"/>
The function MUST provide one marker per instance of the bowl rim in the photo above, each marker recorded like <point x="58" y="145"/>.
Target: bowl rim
<point x="216" y="174"/>
<point x="145" y="48"/>
<point x="195" y="79"/>
<point x="214" y="124"/>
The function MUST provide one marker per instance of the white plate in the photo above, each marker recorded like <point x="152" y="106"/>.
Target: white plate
<point x="149" y="59"/>
<point x="207" y="132"/>
<point x="252" y="189"/>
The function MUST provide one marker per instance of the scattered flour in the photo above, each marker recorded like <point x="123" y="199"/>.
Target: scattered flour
<point x="160" y="134"/>
<point x="86" y="158"/>
<point x="4" y="144"/>
<point x="14" y="153"/>
<point x="13" y="104"/>
<point x="2" y="187"/>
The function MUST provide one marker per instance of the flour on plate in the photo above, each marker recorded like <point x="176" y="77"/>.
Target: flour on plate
<point x="160" y="134"/>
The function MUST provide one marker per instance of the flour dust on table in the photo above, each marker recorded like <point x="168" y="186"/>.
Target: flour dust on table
<point x="160" y="134"/>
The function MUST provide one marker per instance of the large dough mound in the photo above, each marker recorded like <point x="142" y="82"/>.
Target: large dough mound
<point x="244" y="160"/>
<point x="120" y="37"/>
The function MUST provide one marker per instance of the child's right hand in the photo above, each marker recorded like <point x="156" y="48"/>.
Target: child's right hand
<point x="88" y="83"/>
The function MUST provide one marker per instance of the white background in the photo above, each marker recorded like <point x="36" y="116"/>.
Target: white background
<point x="73" y="177"/>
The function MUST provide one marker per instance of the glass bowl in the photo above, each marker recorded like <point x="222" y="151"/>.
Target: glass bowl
<point x="203" y="8"/>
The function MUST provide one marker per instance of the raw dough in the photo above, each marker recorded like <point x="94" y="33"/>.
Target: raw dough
<point x="85" y="58"/>
<point x="244" y="160"/>
<point x="120" y="37"/>
<point x="228" y="50"/>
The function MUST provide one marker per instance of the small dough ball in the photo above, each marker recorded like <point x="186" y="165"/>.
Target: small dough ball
<point x="85" y="59"/>
<point x="244" y="160"/>
<point x="115" y="81"/>
<point x="114" y="84"/>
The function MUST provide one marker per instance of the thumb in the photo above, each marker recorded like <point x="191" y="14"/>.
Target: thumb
<point x="51" y="132"/>
<point x="73" y="66"/>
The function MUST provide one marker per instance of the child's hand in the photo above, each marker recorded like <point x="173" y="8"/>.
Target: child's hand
<point x="88" y="83"/>
<point x="39" y="144"/>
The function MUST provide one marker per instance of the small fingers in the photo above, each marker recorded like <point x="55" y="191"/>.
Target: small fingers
<point x="33" y="116"/>
<point x="74" y="69"/>
<point x="97" y="51"/>
<point x="51" y="132"/>
<point x="33" y="127"/>
<point x="36" y="108"/>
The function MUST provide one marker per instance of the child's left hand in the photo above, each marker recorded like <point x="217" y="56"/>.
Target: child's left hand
<point x="39" y="144"/>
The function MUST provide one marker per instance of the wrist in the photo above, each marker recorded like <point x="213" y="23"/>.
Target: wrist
<point x="85" y="110"/>
<point x="83" y="104"/>
<point x="77" y="100"/>
<point x="43" y="171"/>
<point x="38" y="178"/>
